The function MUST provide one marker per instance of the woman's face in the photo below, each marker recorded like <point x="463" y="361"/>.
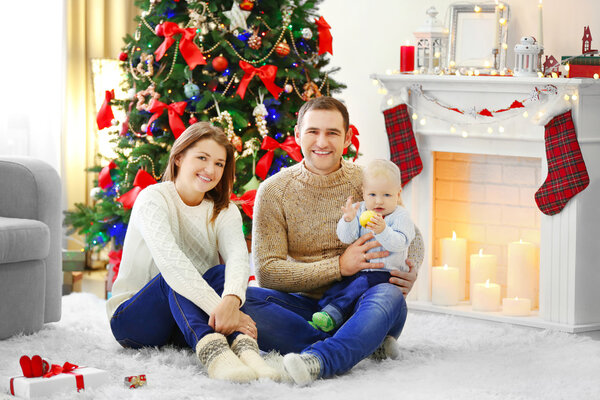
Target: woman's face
<point x="200" y="169"/>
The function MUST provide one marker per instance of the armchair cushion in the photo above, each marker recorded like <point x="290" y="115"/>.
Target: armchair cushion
<point x="23" y="240"/>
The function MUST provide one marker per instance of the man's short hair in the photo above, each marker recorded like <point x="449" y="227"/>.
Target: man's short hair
<point x="324" y="103"/>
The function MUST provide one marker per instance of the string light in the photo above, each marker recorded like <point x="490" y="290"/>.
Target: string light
<point x="415" y="116"/>
<point x="490" y="130"/>
<point x="525" y="114"/>
<point x="566" y="97"/>
<point x="423" y="121"/>
<point x="382" y="90"/>
<point x="477" y="9"/>
<point x="567" y="67"/>
<point x="465" y="134"/>
<point x="375" y="82"/>
<point x="390" y="101"/>
<point x="596" y="76"/>
<point x="574" y="97"/>
<point x="501" y="129"/>
<point x="452" y="129"/>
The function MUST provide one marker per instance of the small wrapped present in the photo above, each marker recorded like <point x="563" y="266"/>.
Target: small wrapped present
<point x="135" y="381"/>
<point x="60" y="378"/>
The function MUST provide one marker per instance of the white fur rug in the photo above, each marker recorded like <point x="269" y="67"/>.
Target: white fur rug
<point x="444" y="357"/>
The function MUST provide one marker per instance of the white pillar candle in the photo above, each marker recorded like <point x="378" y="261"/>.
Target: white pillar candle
<point x="483" y="268"/>
<point x="516" y="307"/>
<point x="454" y="254"/>
<point x="540" y="37"/>
<point x="521" y="270"/>
<point x="444" y="286"/>
<point x="486" y="297"/>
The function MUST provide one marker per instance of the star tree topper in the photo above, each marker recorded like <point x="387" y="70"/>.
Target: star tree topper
<point x="237" y="17"/>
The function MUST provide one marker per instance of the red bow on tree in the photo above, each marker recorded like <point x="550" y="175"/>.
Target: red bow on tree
<point x="247" y="201"/>
<point x="175" y="111"/>
<point x="142" y="180"/>
<point x="104" y="179"/>
<point x="190" y="52"/>
<point x="105" y="114"/>
<point x="355" y="142"/>
<point x="325" y="38"/>
<point x="266" y="73"/>
<point x="114" y="258"/>
<point x="289" y="145"/>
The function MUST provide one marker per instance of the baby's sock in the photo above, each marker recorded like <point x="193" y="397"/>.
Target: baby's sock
<point x="323" y="321"/>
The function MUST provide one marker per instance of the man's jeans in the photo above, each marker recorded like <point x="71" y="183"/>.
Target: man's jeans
<point x="157" y="315"/>
<point x="282" y="324"/>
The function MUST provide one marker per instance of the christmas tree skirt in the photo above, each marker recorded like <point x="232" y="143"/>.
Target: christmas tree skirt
<point x="442" y="357"/>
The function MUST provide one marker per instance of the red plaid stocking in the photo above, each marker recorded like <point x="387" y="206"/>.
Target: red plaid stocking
<point x="567" y="174"/>
<point x="403" y="147"/>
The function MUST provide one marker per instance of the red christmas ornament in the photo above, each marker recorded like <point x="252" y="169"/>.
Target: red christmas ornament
<point x="236" y="141"/>
<point x="247" y="5"/>
<point x="220" y="63"/>
<point x="193" y="120"/>
<point x="122" y="56"/>
<point x="255" y="41"/>
<point x="159" y="30"/>
<point x="282" y="49"/>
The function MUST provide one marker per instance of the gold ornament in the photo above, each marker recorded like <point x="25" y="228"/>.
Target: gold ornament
<point x="255" y="41"/>
<point x="146" y="60"/>
<point x="260" y="112"/>
<point x="282" y="49"/>
<point x="141" y="98"/>
<point x="310" y="90"/>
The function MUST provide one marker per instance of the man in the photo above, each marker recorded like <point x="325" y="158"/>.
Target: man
<point x="296" y="249"/>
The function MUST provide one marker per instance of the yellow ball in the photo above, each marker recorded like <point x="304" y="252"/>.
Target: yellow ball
<point x="366" y="216"/>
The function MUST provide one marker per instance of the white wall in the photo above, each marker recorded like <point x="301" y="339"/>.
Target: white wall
<point x="367" y="36"/>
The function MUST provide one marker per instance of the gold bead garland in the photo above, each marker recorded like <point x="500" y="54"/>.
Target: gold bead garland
<point x="260" y="112"/>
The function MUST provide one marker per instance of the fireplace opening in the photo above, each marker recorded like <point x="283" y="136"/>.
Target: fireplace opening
<point x="488" y="200"/>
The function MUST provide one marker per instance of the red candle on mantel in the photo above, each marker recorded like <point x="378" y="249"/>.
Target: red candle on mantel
<point x="407" y="58"/>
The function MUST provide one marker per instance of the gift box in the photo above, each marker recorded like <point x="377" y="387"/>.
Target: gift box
<point x="75" y="380"/>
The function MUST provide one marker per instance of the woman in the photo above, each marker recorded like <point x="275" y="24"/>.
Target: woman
<point x="169" y="290"/>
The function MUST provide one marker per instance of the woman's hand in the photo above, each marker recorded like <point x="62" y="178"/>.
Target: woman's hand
<point x="226" y="317"/>
<point x="247" y="326"/>
<point x="404" y="280"/>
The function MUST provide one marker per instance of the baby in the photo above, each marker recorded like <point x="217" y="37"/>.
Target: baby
<point x="393" y="229"/>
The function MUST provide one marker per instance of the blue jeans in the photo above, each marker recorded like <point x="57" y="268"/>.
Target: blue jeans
<point x="157" y="315"/>
<point x="339" y="300"/>
<point x="281" y="319"/>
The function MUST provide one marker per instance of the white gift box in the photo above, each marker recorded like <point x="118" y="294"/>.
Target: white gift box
<point x="80" y="378"/>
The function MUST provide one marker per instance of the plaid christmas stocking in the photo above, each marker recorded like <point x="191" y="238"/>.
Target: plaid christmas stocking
<point x="403" y="147"/>
<point x="567" y="174"/>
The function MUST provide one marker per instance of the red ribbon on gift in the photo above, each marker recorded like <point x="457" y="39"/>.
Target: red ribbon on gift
<point x="104" y="179"/>
<point x="190" y="52"/>
<point x="175" y="111"/>
<point x="66" y="368"/>
<point x="355" y="142"/>
<point x="325" y="38"/>
<point x="289" y="145"/>
<point x="114" y="258"/>
<point x="105" y="115"/>
<point x="247" y="201"/>
<point x="266" y="73"/>
<point x="142" y="181"/>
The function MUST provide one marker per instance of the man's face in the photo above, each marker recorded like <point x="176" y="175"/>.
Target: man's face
<point x="322" y="139"/>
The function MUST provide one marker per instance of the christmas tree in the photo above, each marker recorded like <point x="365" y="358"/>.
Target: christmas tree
<point x="247" y="66"/>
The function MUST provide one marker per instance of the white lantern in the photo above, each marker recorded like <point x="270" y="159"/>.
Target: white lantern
<point x="431" y="43"/>
<point x="527" y="57"/>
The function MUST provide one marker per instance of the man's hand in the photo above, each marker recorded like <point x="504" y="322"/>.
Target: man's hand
<point x="376" y="224"/>
<point x="225" y="318"/>
<point x="350" y="210"/>
<point x="356" y="258"/>
<point x="404" y="280"/>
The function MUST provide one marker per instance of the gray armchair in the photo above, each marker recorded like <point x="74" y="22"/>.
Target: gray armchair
<point x="30" y="245"/>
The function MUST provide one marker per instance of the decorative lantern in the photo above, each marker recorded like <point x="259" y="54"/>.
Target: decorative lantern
<point x="431" y="43"/>
<point x="527" y="57"/>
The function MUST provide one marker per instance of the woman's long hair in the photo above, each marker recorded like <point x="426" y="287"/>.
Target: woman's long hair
<point x="221" y="193"/>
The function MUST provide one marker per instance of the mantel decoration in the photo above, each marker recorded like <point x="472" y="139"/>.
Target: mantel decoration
<point x="527" y="56"/>
<point x="586" y="65"/>
<point x="431" y="43"/>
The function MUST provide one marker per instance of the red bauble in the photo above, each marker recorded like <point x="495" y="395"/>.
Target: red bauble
<point x="236" y="141"/>
<point x="247" y="5"/>
<point x="123" y="56"/>
<point x="282" y="49"/>
<point x="159" y="30"/>
<point x="220" y="63"/>
<point x="255" y="41"/>
<point x="193" y="120"/>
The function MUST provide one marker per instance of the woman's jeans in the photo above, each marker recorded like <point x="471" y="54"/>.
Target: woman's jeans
<point x="281" y="319"/>
<point x="157" y="315"/>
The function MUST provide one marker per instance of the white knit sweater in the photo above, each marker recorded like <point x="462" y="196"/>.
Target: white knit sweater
<point x="165" y="235"/>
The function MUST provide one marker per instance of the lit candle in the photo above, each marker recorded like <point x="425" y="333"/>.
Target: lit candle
<point x="516" y="307"/>
<point x="444" y="286"/>
<point x="521" y="270"/>
<point x="483" y="268"/>
<point x="540" y="37"/>
<point x="407" y="58"/>
<point x="454" y="254"/>
<point x="486" y="296"/>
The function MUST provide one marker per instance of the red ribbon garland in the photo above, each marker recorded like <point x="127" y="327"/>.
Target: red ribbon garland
<point x="105" y="114"/>
<point x="325" y="38"/>
<point x="247" y="201"/>
<point x="355" y="142"/>
<point x="142" y="180"/>
<point x="190" y="52"/>
<point x="114" y="258"/>
<point x="515" y="104"/>
<point x="485" y="112"/>
<point x="104" y="179"/>
<point x="289" y="146"/>
<point x="175" y="110"/>
<point x="266" y="73"/>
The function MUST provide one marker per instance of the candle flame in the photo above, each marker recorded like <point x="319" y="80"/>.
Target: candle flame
<point x="445" y="266"/>
<point x="520" y="240"/>
<point x="480" y="252"/>
<point x="453" y="235"/>
<point x="516" y="297"/>
<point x="487" y="283"/>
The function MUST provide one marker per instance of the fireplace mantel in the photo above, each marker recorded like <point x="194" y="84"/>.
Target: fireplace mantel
<point x="570" y="241"/>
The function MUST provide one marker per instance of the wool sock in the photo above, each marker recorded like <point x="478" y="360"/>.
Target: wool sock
<point x="246" y="349"/>
<point x="220" y="361"/>
<point x="323" y="321"/>
<point x="387" y="349"/>
<point x="303" y="368"/>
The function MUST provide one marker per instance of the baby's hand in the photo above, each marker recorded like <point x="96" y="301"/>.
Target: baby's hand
<point x="376" y="224"/>
<point x="350" y="210"/>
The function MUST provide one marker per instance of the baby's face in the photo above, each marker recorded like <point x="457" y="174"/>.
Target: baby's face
<point x="381" y="195"/>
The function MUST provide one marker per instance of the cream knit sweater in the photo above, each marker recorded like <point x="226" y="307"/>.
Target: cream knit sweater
<point x="165" y="235"/>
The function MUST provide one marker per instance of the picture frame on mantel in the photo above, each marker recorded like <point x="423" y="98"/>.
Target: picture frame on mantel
<point x="477" y="37"/>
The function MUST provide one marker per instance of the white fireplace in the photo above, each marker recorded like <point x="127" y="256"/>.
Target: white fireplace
<point x="569" y="242"/>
